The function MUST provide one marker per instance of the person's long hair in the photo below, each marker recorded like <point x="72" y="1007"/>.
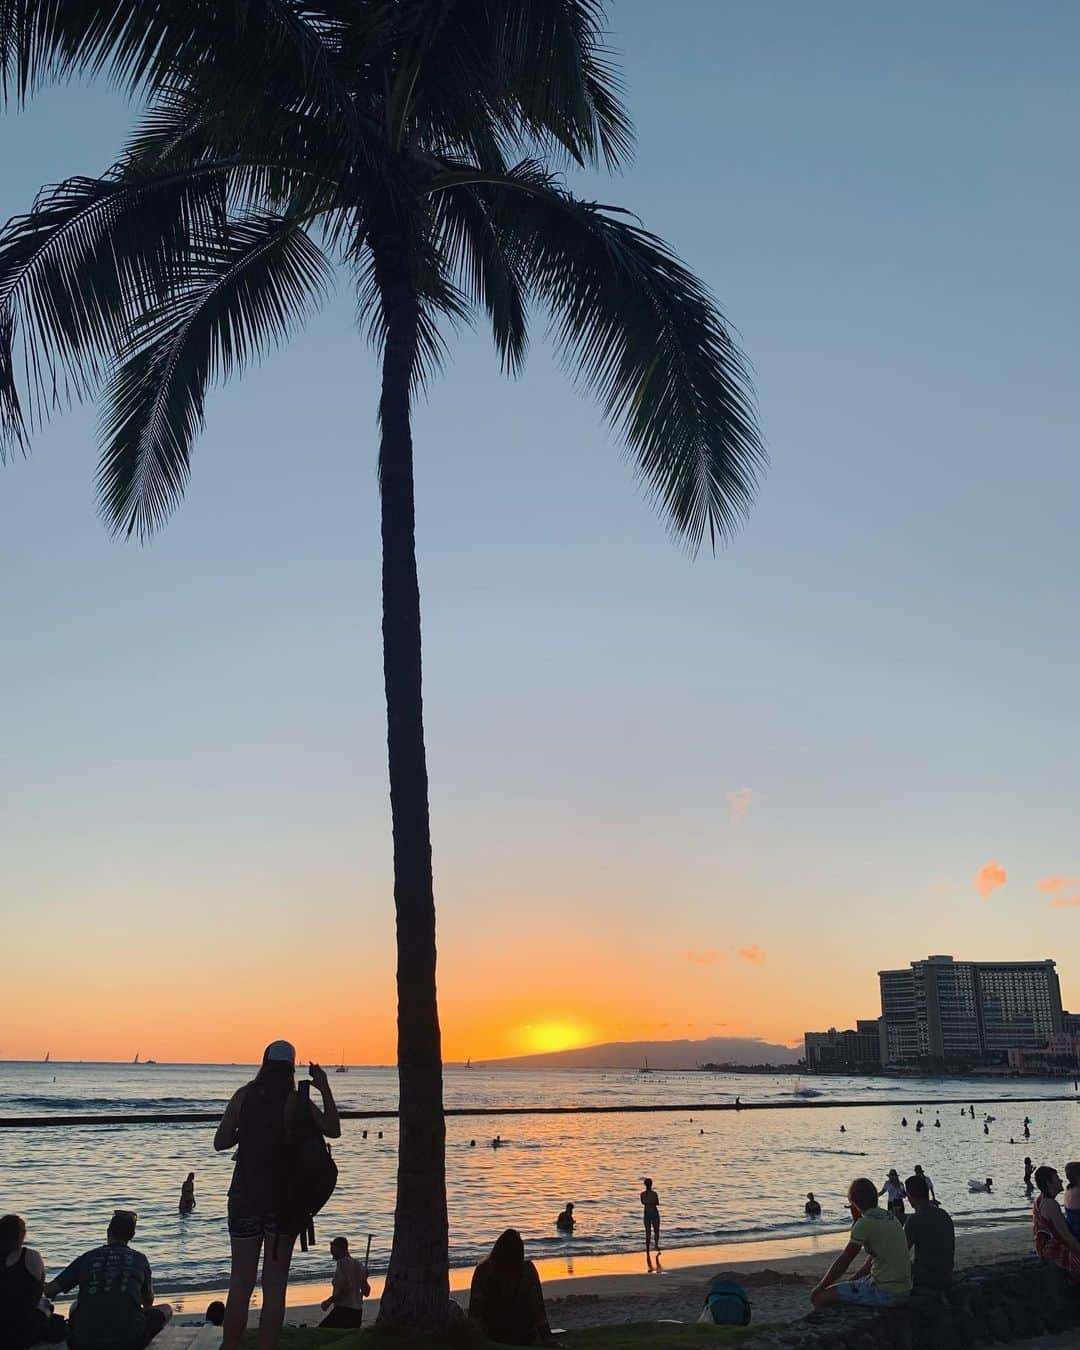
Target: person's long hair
<point x="506" y="1262"/>
<point x="275" y="1080"/>
<point x="12" y="1232"/>
<point x="1043" y="1180"/>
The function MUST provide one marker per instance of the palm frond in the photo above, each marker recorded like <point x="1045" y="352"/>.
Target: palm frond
<point x="526" y="73"/>
<point x="470" y="242"/>
<point x="233" y="303"/>
<point x="432" y="297"/>
<point x="640" y="330"/>
<point x="91" y="253"/>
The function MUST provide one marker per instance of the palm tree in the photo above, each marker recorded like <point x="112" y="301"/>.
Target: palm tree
<point x="411" y="147"/>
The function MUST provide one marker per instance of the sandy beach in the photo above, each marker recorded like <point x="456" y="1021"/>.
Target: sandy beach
<point x="615" y="1289"/>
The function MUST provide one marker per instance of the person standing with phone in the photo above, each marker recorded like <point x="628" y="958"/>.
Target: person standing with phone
<point x="259" y="1121"/>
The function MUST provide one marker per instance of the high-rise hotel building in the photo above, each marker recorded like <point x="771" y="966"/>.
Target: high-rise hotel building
<point x="949" y="1012"/>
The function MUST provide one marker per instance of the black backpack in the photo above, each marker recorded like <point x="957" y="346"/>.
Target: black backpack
<point x="308" y="1175"/>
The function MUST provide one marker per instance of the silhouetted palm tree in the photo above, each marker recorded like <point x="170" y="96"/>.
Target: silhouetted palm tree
<point x="410" y="146"/>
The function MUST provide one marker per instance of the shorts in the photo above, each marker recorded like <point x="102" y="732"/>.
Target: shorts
<point x="867" y="1293"/>
<point x="250" y="1226"/>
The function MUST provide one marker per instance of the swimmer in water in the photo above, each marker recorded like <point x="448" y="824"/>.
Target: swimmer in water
<point x="187" y="1194"/>
<point x="812" y="1209"/>
<point x="565" y="1221"/>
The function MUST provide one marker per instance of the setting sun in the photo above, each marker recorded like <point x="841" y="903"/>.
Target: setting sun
<point x="540" y="1037"/>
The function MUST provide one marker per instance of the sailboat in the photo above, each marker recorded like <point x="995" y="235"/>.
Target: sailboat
<point x="46" y="1059"/>
<point x="136" y="1059"/>
<point x="468" y="1063"/>
<point x="342" y="1067"/>
<point x="645" y="1067"/>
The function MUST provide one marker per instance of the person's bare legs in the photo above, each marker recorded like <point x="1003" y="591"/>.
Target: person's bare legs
<point x="245" y="1267"/>
<point x="275" y="1276"/>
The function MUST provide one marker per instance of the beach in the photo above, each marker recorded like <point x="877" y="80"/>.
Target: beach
<point x="777" y="1282"/>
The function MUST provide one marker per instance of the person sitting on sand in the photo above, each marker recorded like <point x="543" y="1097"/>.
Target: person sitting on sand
<point x="349" y="1289"/>
<point x="565" y="1221"/>
<point x="25" y="1314"/>
<point x="885" y="1279"/>
<point x="812" y="1209"/>
<point x="929" y="1231"/>
<point x="187" y="1194"/>
<point x="215" y="1313"/>
<point x="1072" y="1198"/>
<point x="1053" y="1241"/>
<point x="506" y="1297"/>
<point x="895" y="1190"/>
<point x="651" y="1201"/>
<point x="115" y="1308"/>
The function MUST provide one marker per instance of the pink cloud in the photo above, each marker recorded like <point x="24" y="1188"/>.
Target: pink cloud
<point x="1051" y="884"/>
<point x="753" y="954"/>
<point x="739" y="803"/>
<point x="989" y="878"/>
<point x="1065" y="902"/>
<point x="707" y="958"/>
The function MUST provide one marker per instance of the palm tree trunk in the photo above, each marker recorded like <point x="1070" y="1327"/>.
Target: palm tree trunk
<point x="417" y="1281"/>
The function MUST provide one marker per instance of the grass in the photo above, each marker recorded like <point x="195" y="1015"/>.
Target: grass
<point x="636" y="1336"/>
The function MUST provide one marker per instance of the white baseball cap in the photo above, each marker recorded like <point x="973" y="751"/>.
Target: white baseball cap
<point x="280" y="1052"/>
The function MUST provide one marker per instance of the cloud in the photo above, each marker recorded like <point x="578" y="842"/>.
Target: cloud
<point x="1065" y="902"/>
<point x="753" y="954"/>
<point x="706" y="958"/>
<point x="740" y="801"/>
<point x="1052" y="884"/>
<point x="989" y="878"/>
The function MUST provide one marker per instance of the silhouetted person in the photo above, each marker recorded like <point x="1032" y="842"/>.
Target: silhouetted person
<point x="1029" y="1171"/>
<point x="929" y="1232"/>
<point x="349" y="1289"/>
<point x="115" y="1308"/>
<point x="260" y="1118"/>
<point x="812" y="1209"/>
<point x="651" y="1214"/>
<point x="506" y="1297"/>
<point x="843" y="1129"/>
<point x="903" y="1121"/>
<point x="1053" y="1241"/>
<point x="565" y="1221"/>
<point x="187" y="1194"/>
<point x="894" y="1188"/>
<point x="1072" y="1198"/>
<point x="1027" y="1130"/>
<point x="25" y="1314"/>
<point x="215" y="1313"/>
<point x="929" y="1184"/>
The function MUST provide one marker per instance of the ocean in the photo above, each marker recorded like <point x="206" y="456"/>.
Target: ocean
<point x="721" y="1176"/>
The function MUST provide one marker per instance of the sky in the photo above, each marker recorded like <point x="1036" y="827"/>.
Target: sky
<point x="670" y="797"/>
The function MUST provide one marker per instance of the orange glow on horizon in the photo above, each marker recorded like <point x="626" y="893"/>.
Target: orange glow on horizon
<point x="538" y="1038"/>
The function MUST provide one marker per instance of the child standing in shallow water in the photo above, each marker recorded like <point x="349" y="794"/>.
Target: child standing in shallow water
<point x="1072" y="1198"/>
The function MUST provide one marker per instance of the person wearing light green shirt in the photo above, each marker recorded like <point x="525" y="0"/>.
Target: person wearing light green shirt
<point x="885" y="1278"/>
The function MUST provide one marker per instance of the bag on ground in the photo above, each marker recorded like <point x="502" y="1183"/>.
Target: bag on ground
<point x="726" y="1303"/>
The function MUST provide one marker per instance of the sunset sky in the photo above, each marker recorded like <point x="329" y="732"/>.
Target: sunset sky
<point x="670" y="798"/>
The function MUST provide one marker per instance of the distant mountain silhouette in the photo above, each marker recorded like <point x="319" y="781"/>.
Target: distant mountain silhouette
<point x="660" y="1054"/>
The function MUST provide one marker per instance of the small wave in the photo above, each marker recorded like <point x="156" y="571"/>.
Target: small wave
<point x="32" y="1103"/>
